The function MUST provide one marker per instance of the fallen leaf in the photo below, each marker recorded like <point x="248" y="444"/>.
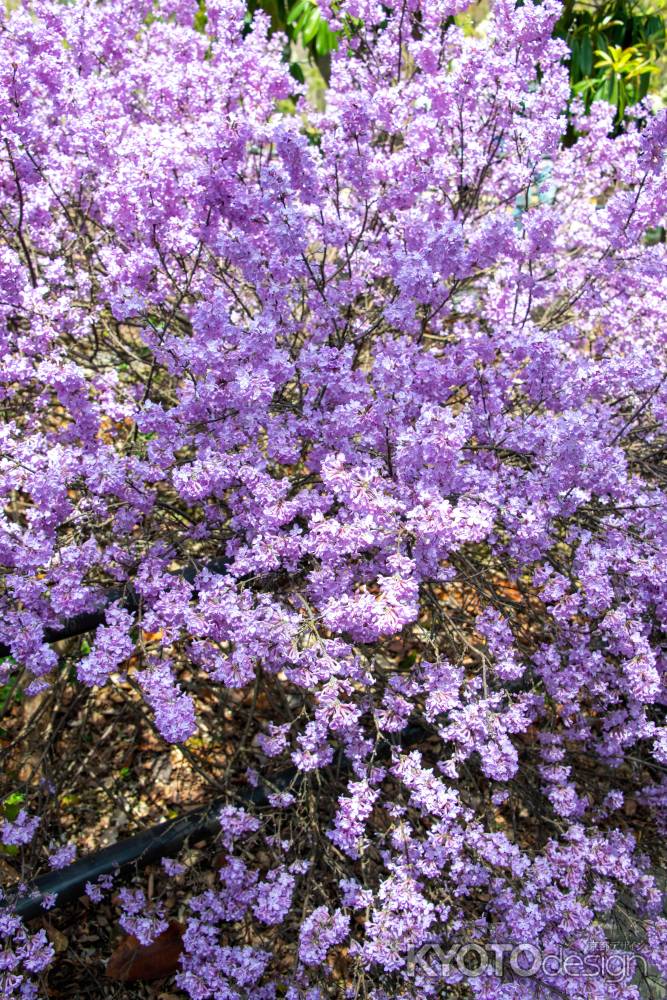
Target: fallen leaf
<point x="58" y="940"/>
<point x="152" y="636"/>
<point x="134" y="962"/>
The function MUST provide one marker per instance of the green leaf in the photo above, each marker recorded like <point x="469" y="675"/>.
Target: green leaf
<point x="295" y="12"/>
<point x="325" y="40"/>
<point x="655" y="235"/>
<point x="608" y="22"/>
<point x="642" y="86"/>
<point x="201" y="18"/>
<point x="297" y="72"/>
<point x="641" y="69"/>
<point x="621" y="101"/>
<point x="312" y="26"/>
<point x="602" y="91"/>
<point x="586" y="56"/>
<point x="584" y="85"/>
<point x="11" y="807"/>
<point x="604" y="60"/>
<point x="574" y="59"/>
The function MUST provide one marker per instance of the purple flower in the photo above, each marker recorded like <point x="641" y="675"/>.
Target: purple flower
<point x="235" y="823"/>
<point x="320" y="931"/>
<point x="63" y="856"/>
<point x="346" y="412"/>
<point x="138" y="917"/>
<point x="19" y="831"/>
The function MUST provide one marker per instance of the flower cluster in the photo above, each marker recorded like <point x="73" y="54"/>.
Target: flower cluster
<point x="23" y="956"/>
<point x="20" y="830"/>
<point x="351" y="412"/>
<point x="137" y="918"/>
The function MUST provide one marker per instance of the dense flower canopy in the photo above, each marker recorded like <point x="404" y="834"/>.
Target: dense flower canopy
<point x="388" y="376"/>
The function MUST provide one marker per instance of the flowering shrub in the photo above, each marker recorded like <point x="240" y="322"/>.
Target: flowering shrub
<point x="388" y="378"/>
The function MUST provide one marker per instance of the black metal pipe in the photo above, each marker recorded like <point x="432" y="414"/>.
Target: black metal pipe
<point x="142" y="849"/>
<point x="134" y="853"/>
<point x="166" y="838"/>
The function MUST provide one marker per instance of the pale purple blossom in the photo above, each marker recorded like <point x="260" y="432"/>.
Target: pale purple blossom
<point x="347" y="416"/>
